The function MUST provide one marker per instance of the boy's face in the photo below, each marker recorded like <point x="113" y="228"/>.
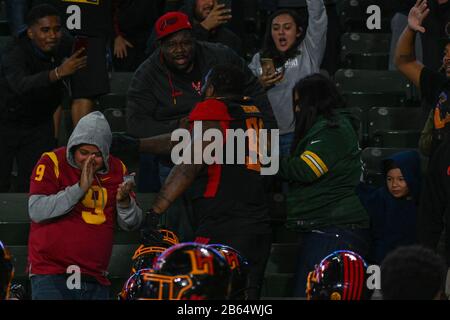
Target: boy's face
<point x="396" y="183"/>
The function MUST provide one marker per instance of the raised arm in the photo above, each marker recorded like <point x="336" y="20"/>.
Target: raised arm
<point x="405" y="58"/>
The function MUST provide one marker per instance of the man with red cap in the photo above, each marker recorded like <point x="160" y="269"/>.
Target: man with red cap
<point x="167" y="85"/>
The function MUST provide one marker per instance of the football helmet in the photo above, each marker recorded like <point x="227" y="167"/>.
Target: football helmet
<point x="188" y="271"/>
<point x="240" y="270"/>
<point x="340" y="276"/>
<point x="146" y="254"/>
<point x="6" y="272"/>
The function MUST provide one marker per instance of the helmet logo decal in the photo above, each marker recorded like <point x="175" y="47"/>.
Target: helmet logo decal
<point x="335" y="296"/>
<point x="201" y="265"/>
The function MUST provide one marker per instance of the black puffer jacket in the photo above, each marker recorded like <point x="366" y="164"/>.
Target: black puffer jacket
<point x="158" y="98"/>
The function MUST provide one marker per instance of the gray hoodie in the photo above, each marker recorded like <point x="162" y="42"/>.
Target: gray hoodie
<point x="311" y="50"/>
<point x="92" y="129"/>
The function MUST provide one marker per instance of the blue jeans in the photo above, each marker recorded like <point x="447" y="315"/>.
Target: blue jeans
<point x="316" y="245"/>
<point x="54" y="287"/>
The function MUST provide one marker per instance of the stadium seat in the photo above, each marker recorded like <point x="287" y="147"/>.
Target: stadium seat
<point x="373" y="88"/>
<point x="277" y="285"/>
<point x="4" y="42"/>
<point x="395" y="127"/>
<point x="365" y="50"/>
<point x="120" y="81"/>
<point x="111" y="100"/>
<point x="4" y="28"/>
<point x="116" y="119"/>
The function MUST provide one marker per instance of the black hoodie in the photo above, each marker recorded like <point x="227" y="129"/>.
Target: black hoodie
<point x="158" y="98"/>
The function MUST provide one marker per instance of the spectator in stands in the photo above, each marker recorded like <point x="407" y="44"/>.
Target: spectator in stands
<point x="208" y="18"/>
<point x="91" y="23"/>
<point x="31" y="87"/>
<point x="434" y="211"/>
<point x="134" y="20"/>
<point x="413" y="273"/>
<point x="75" y="195"/>
<point x="293" y="59"/>
<point x="393" y="207"/>
<point x="16" y="12"/>
<point x="323" y="170"/>
<point x="168" y="84"/>
<point x="229" y="200"/>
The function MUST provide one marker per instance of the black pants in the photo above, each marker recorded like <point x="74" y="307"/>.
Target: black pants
<point x="25" y="143"/>
<point x="256" y="249"/>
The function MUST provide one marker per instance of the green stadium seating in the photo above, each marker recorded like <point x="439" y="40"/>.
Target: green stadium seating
<point x="395" y="127"/>
<point x="278" y="285"/>
<point x="365" y="50"/>
<point x="5" y="41"/>
<point x="373" y="88"/>
<point x="4" y="28"/>
<point x="116" y="119"/>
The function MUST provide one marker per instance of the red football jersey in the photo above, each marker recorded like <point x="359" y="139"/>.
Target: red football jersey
<point x="84" y="236"/>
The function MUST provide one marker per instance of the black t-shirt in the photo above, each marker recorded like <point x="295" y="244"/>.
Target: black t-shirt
<point x="230" y="198"/>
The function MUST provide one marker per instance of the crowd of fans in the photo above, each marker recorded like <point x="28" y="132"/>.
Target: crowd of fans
<point x="194" y="61"/>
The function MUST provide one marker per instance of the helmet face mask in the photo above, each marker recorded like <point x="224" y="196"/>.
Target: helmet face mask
<point x="6" y="272"/>
<point x="145" y="255"/>
<point x="340" y="276"/>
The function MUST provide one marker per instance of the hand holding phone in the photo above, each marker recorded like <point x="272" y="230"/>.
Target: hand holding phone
<point x="268" y="67"/>
<point x="219" y="15"/>
<point x="79" y="43"/>
<point x="270" y="75"/>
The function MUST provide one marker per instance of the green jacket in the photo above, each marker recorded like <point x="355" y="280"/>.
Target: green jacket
<point x="323" y="173"/>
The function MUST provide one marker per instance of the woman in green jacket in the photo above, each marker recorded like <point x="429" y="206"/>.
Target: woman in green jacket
<point x="323" y="170"/>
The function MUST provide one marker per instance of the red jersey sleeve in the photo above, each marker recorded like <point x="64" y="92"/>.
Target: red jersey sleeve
<point x="210" y="110"/>
<point x="44" y="178"/>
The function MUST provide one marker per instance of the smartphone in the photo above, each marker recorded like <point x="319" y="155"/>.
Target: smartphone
<point x="268" y="67"/>
<point x="227" y="3"/>
<point x="129" y="178"/>
<point x="80" y="42"/>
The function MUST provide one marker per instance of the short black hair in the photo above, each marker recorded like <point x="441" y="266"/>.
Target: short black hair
<point x="39" y="12"/>
<point x="227" y="80"/>
<point x="412" y="273"/>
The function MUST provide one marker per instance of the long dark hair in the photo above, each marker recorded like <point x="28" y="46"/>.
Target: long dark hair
<point x="318" y="96"/>
<point x="269" y="50"/>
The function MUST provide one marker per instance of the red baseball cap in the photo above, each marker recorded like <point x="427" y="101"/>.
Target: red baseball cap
<point x="170" y="23"/>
